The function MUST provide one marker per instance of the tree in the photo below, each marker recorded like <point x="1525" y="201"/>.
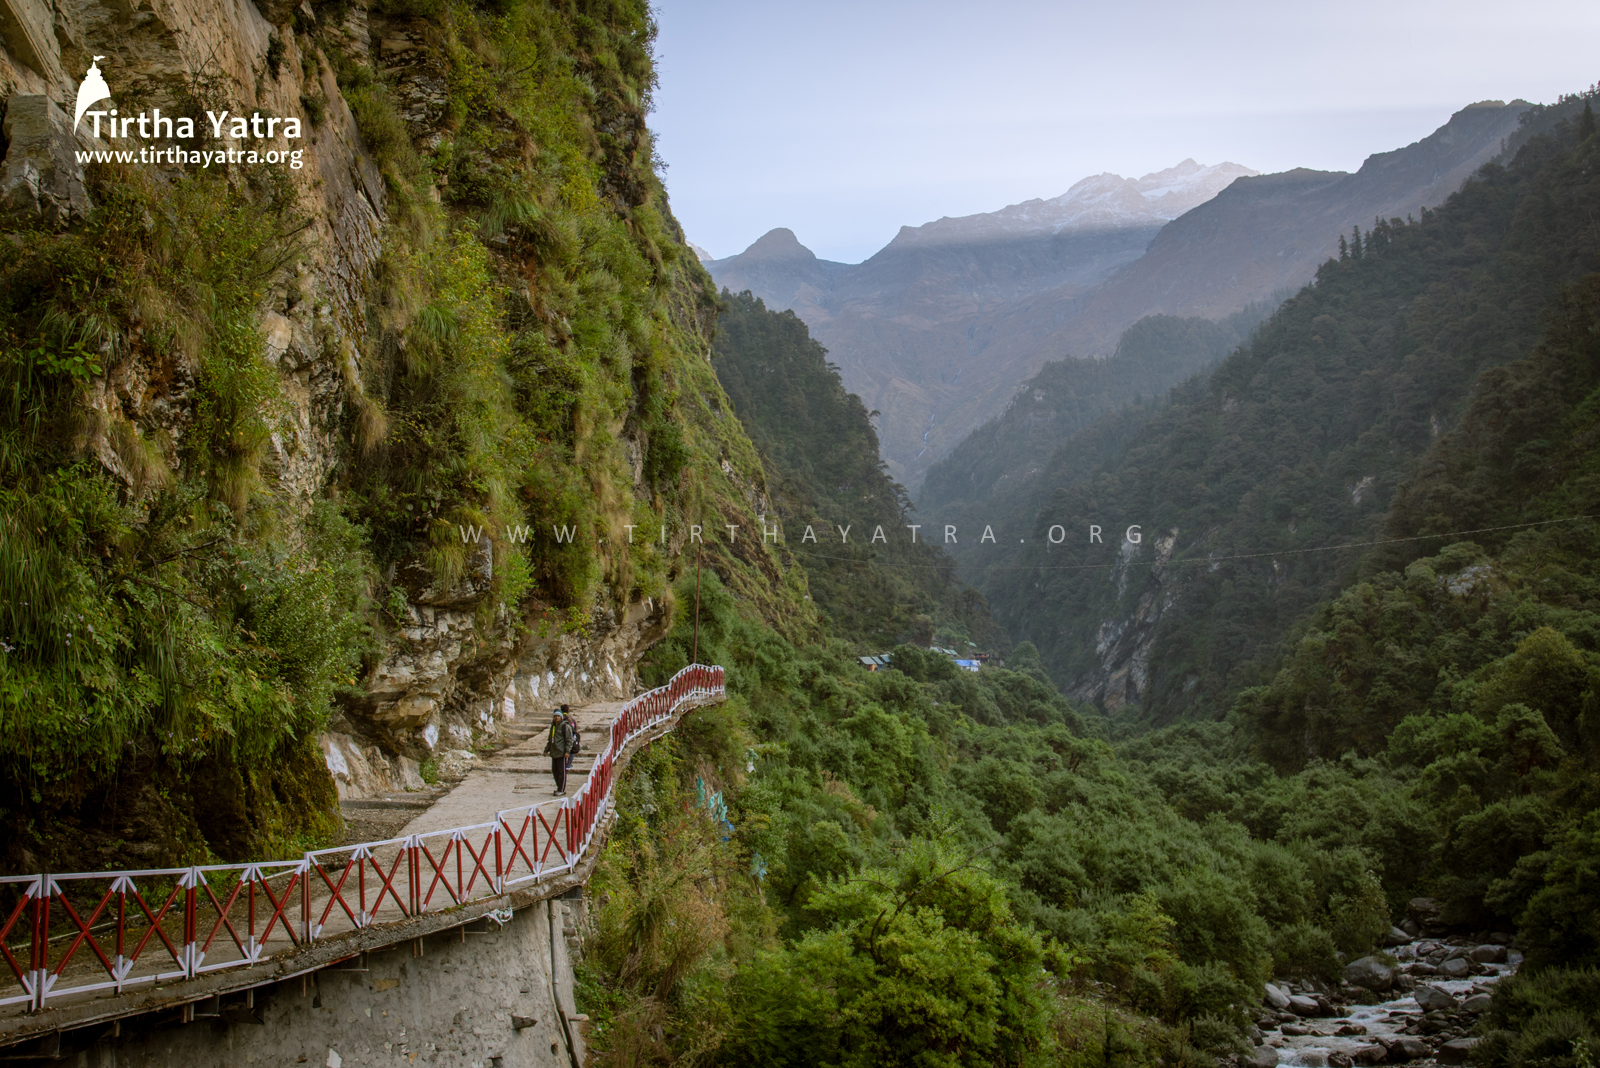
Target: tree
<point x="921" y="963"/>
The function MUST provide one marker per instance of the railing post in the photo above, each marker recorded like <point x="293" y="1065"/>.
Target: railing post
<point x="191" y="947"/>
<point x="305" y="900"/>
<point x="40" y="951"/>
<point x="414" y="875"/>
<point x="122" y="925"/>
<point x="499" y="872"/>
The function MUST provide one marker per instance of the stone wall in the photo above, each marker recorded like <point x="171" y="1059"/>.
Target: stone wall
<point x="499" y="999"/>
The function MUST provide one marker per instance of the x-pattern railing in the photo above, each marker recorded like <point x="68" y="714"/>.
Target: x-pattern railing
<point x="104" y="932"/>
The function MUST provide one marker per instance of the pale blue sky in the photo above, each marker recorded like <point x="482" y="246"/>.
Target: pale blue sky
<point x="845" y="120"/>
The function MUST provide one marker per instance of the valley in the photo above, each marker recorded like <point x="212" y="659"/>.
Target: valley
<point x="318" y="492"/>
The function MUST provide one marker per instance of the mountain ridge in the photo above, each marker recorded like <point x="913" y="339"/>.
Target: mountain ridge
<point x="939" y="328"/>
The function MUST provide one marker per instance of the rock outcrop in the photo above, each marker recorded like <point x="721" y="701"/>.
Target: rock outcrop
<point x="457" y="670"/>
<point x="40" y="178"/>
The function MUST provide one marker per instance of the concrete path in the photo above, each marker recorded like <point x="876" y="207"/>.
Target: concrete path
<point x="518" y="775"/>
<point x="356" y="903"/>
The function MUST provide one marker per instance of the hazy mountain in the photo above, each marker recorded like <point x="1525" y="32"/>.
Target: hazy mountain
<point x="902" y="325"/>
<point x="939" y="328"/>
<point x="785" y="274"/>
<point x="1261" y="234"/>
<point x="990" y="476"/>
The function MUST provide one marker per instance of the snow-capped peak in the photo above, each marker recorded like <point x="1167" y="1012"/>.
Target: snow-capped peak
<point x="1100" y="202"/>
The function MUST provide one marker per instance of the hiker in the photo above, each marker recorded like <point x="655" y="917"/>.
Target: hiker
<point x="562" y="742"/>
<point x="575" y="735"/>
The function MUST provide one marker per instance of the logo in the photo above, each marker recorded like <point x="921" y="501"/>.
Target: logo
<point x="93" y="90"/>
<point x="226" y="128"/>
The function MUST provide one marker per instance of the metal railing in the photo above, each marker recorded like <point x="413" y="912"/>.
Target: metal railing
<point x="104" y="932"/>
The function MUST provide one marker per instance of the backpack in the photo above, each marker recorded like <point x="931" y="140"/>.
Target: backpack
<point x="574" y="737"/>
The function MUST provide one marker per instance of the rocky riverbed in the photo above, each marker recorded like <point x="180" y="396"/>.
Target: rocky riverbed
<point x="1416" y="1002"/>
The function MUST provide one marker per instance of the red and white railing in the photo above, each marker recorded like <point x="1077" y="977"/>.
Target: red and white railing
<point x="107" y="932"/>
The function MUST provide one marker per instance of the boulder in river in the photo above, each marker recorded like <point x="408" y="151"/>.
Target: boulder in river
<point x="1304" y="1006"/>
<point x="1370" y="972"/>
<point x="1262" y="1057"/>
<point x="1456" y="1051"/>
<point x="1373" y="1054"/>
<point x="1488" y="954"/>
<point x="1477" y="1003"/>
<point x="1407" y="1048"/>
<point x="1396" y="937"/>
<point x="1458" y="968"/>
<point x="1423" y="910"/>
<point x="1276" y="997"/>
<point x="1431" y="998"/>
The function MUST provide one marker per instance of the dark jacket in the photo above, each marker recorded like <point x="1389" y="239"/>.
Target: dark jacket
<point x="563" y="739"/>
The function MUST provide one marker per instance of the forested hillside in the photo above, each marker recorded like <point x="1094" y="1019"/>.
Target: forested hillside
<point x="1006" y="469"/>
<point x="1077" y="886"/>
<point x="821" y="453"/>
<point x="252" y="457"/>
<point x="1297" y="442"/>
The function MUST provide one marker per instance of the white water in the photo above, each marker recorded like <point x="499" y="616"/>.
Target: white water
<point x="1388" y="1018"/>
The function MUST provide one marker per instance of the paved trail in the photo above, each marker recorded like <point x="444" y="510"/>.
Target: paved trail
<point x="518" y="775"/>
<point x="513" y="777"/>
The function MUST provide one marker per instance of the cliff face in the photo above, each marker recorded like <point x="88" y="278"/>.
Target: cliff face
<point x="354" y="428"/>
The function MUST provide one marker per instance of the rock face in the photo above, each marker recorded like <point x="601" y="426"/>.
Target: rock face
<point x="40" y="178"/>
<point x="446" y="685"/>
<point x="455" y="673"/>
